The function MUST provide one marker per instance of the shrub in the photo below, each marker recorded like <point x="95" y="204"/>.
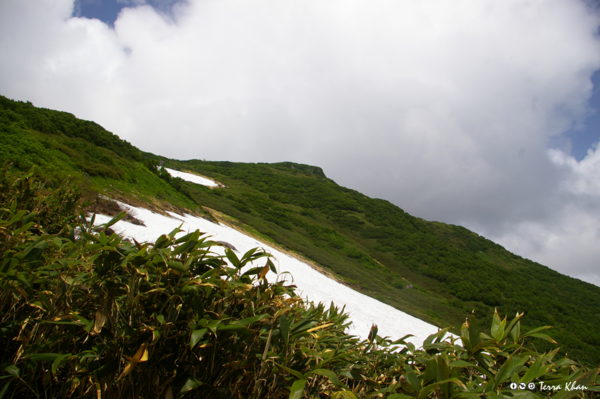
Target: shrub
<point x="85" y="313"/>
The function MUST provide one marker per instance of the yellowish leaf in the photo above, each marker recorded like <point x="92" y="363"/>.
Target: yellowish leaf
<point x="322" y="326"/>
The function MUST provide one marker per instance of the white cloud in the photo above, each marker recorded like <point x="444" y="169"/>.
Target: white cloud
<point x="445" y="108"/>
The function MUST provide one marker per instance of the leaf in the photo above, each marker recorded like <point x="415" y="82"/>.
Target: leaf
<point x="232" y="258"/>
<point x="263" y="272"/>
<point x="190" y="384"/>
<point x="509" y="368"/>
<point x="155" y="336"/>
<point x="413" y="380"/>
<point x="57" y="361"/>
<point x="271" y="266"/>
<point x="140" y="356"/>
<point x="162" y="242"/>
<point x="542" y="336"/>
<point x="401" y="396"/>
<point x="4" y="389"/>
<point x="284" y="327"/>
<point x="345" y="395"/>
<point x="326" y="373"/>
<point x="460" y="363"/>
<point x="101" y="319"/>
<point x="297" y="390"/>
<point x="531" y="373"/>
<point x="196" y="336"/>
<point x="233" y="327"/>
<point x="322" y="326"/>
<point x="12" y="370"/>
<point x="295" y="373"/>
<point x="515" y="332"/>
<point x="426" y="390"/>
<point x="40" y="357"/>
<point x="34" y="251"/>
<point x="372" y="333"/>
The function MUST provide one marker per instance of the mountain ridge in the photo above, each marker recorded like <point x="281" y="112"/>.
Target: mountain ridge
<point x="370" y="244"/>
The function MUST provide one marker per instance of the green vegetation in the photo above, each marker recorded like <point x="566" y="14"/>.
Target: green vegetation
<point x="440" y="273"/>
<point x="381" y="250"/>
<point x="61" y="146"/>
<point x="87" y="314"/>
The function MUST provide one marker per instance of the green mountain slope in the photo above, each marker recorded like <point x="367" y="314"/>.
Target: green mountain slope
<point x="61" y="146"/>
<point x="437" y="272"/>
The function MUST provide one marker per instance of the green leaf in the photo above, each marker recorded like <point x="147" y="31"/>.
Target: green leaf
<point x="345" y="395"/>
<point x="426" y="390"/>
<point x="57" y="361"/>
<point x="196" y="336"/>
<point x="460" y="363"/>
<point x="295" y="373"/>
<point x="12" y="370"/>
<point x="545" y="337"/>
<point x="232" y="258"/>
<point x="515" y="332"/>
<point x="326" y="373"/>
<point x="43" y="356"/>
<point x="413" y="380"/>
<point x="4" y="389"/>
<point x="34" y="251"/>
<point x="162" y="242"/>
<point x="531" y="373"/>
<point x="271" y="266"/>
<point x="186" y="247"/>
<point x="233" y="327"/>
<point x="297" y="390"/>
<point x="509" y="368"/>
<point x="284" y="327"/>
<point x="498" y="327"/>
<point x="191" y="383"/>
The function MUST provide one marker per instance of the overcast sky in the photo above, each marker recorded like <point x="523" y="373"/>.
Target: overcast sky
<point x="471" y="112"/>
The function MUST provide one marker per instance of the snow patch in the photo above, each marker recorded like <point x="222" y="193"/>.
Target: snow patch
<point x="192" y="178"/>
<point x="316" y="287"/>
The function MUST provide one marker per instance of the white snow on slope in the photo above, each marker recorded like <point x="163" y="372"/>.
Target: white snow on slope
<point x="193" y="178"/>
<point x="363" y="310"/>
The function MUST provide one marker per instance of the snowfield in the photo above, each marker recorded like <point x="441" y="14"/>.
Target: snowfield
<point x="312" y="285"/>
<point x="192" y="178"/>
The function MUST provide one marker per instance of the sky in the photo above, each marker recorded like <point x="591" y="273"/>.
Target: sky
<point x="482" y="113"/>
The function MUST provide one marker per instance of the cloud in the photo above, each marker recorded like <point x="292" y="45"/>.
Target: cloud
<point x="446" y="109"/>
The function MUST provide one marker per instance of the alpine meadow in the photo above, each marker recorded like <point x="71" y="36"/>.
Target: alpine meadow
<point x="88" y="313"/>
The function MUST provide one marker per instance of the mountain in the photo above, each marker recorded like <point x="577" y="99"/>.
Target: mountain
<point x="437" y="272"/>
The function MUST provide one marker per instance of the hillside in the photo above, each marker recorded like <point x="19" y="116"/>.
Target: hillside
<point x="434" y="271"/>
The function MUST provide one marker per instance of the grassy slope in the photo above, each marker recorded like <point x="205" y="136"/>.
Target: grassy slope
<point x="379" y="249"/>
<point x="61" y="146"/>
<point x="371" y="244"/>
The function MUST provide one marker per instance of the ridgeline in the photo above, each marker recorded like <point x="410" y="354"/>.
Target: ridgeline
<point x="437" y="272"/>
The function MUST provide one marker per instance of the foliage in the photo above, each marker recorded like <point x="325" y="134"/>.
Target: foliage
<point x="434" y="271"/>
<point x="86" y="314"/>
<point x="61" y="147"/>
<point x="379" y="249"/>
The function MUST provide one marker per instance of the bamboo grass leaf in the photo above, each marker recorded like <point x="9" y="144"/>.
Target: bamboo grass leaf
<point x="190" y="384"/>
<point x="297" y="390"/>
<point x="196" y="336"/>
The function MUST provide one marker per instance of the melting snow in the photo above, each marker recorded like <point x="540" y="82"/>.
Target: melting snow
<point x="363" y="310"/>
<point x="193" y="178"/>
